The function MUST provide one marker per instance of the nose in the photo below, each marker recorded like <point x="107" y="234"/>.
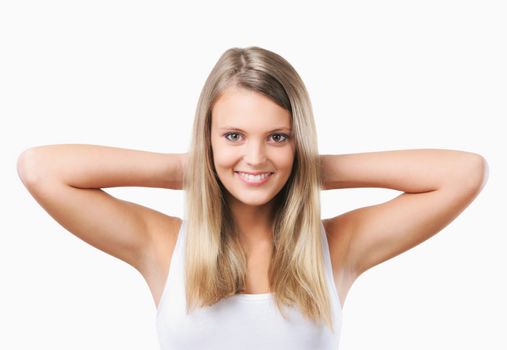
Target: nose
<point x="255" y="153"/>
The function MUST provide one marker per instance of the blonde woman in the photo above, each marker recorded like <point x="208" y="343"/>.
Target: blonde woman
<point x="251" y="265"/>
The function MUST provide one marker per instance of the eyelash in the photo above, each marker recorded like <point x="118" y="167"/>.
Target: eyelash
<point x="237" y="133"/>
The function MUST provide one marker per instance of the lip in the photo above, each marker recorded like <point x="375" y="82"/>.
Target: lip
<point x="254" y="172"/>
<point x="266" y="179"/>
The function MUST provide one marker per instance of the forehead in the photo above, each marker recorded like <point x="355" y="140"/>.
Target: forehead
<point x="246" y="109"/>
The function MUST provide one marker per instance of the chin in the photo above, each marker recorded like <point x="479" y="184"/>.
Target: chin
<point x="253" y="201"/>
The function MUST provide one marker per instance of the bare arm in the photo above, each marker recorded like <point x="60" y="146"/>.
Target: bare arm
<point x="94" y="166"/>
<point x="437" y="184"/>
<point x="66" y="180"/>
<point x="411" y="171"/>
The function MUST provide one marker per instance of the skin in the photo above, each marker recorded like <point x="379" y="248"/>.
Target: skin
<point x="256" y="148"/>
<point x="67" y="181"/>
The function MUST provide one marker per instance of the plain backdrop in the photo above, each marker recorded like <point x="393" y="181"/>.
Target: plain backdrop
<point x="382" y="75"/>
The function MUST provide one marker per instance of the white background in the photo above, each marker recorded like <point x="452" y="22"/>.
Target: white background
<point x="382" y="75"/>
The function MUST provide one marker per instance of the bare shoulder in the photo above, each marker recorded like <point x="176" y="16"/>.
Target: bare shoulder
<point x="164" y="231"/>
<point x="338" y="239"/>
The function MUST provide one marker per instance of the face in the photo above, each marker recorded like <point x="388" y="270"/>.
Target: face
<point x="251" y="134"/>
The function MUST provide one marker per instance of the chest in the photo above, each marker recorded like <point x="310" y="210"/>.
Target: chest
<point x="257" y="280"/>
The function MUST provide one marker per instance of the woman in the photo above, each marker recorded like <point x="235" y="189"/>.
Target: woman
<point x="252" y="264"/>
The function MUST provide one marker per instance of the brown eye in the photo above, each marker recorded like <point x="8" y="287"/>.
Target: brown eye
<point x="284" y="137"/>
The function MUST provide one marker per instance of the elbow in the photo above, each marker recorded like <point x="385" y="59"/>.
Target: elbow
<point x="477" y="173"/>
<point x="26" y="168"/>
<point x="484" y="172"/>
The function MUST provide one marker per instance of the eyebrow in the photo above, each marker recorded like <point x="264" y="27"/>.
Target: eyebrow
<point x="238" y="129"/>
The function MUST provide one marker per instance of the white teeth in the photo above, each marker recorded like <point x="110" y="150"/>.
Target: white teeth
<point x="255" y="178"/>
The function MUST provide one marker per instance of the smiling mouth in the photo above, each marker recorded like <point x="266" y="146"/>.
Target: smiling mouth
<point x="254" y="179"/>
<point x="267" y="173"/>
<point x="256" y="173"/>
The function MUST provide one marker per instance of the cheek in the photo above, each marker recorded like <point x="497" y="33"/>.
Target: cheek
<point x="223" y="157"/>
<point x="285" y="160"/>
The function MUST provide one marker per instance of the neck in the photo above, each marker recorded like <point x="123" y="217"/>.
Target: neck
<point x="254" y="223"/>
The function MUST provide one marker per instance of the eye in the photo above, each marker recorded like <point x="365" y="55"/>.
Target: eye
<point x="230" y="133"/>
<point x="284" y="136"/>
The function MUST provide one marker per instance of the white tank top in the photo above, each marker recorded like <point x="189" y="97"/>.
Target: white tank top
<point x="242" y="321"/>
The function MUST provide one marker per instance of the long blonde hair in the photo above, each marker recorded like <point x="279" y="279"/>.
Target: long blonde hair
<point x="215" y="263"/>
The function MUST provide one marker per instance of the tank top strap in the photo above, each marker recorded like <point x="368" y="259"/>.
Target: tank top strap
<point x="175" y="276"/>
<point x="329" y="268"/>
